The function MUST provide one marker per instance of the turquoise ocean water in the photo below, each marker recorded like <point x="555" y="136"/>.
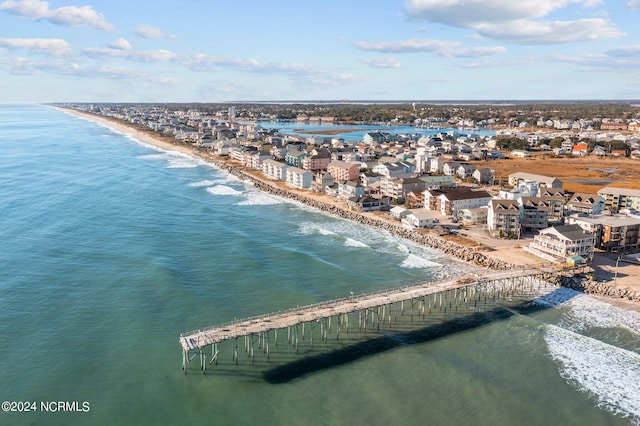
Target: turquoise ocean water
<point x="110" y="249"/>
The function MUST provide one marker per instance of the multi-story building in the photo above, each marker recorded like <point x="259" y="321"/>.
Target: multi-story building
<point x="299" y="178"/>
<point x="397" y="189"/>
<point x="294" y="158"/>
<point x="535" y="213"/>
<point x="316" y="162"/>
<point x="613" y="233"/>
<point x="349" y="189"/>
<point x="558" y="243"/>
<point x="483" y="176"/>
<point x="617" y="199"/>
<point x="582" y="203"/>
<point x="542" y="181"/>
<point x="504" y="218"/>
<point x="275" y="169"/>
<point x="341" y="170"/>
<point x="450" y="200"/>
<point x="554" y="198"/>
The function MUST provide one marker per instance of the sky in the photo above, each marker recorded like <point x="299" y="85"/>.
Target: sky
<point x="294" y="50"/>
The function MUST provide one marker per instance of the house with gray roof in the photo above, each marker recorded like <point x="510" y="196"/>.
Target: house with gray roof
<point x="558" y="243"/>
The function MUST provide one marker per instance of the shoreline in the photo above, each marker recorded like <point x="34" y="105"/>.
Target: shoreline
<point x="321" y="202"/>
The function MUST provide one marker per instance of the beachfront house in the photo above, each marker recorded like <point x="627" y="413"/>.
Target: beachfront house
<point x="299" y="178"/>
<point x="398" y="212"/>
<point x="558" y="243"/>
<point x="256" y="158"/>
<point x="418" y="219"/>
<point x="367" y="203"/>
<point x="275" y="169"/>
<point x="504" y="218"/>
<point x="350" y="189"/>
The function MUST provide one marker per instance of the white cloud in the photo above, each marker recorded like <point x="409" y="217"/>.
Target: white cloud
<point x="634" y="4"/>
<point x="46" y="46"/>
<point x="384" y="62"/>
<point x="133" y="55"/>
<point x="152" y="55"/>
<point x="26" y="66"/>
<point x="474" y="52"/>
<point x="444" y="48"/>
<point x="120" y="44"/>
<point x="204" y="63"/>
<point x="533" y="32"/>
<point x="405" y="46"/>
<point x="514" y="21"/>
<point x="147" y="31"/>
<point x="71" y="16"/>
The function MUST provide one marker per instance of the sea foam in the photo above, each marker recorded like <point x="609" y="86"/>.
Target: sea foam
<point x="223" y="190"/>
<point x="355" y="243"/>
<point x="588" y="312"/>
<point x="414" y="261"/>
<point x="608" y="373"/>
<point x="202" y="183"/>
<point x="257" y="198"/>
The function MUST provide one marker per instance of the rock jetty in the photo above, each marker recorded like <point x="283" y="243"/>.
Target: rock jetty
<point x="579" y="283"/>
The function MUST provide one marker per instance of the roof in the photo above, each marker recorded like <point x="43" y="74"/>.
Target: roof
<point x="398" y="209"/>
<point x="584" y="199"/>
<point x="341" y="164"/>
<point x="619" y="191"/>
<point x="616" y="220"/>
<point x="568" y="232"/>
<point x="422" y="215"/>
<point x="531" y="176"/>
<point x="505" y="206"/>
<point x="460" y="193"/>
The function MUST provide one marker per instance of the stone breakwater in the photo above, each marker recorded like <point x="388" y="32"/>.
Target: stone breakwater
<point x="466" y="254"/>
<point x="463" y="253"/>
<point x="598" y="288"/>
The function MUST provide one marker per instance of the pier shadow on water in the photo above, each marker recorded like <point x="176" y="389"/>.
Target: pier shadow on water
<point x="394" y="339"/>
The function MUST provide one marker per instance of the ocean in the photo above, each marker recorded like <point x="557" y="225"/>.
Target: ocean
<point x="111" y="248"/>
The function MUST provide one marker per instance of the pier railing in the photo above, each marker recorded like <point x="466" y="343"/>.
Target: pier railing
<point x="196" y="339"/>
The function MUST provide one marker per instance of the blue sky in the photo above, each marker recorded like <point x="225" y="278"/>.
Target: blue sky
<point x="215" y="51"/>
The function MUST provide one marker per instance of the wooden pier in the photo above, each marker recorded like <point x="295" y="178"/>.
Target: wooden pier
<point x="372" y="308"/>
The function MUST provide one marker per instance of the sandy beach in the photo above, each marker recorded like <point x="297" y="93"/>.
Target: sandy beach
<point x="503" y="253"/>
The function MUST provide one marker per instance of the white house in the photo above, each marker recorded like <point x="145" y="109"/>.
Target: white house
<point x="558" y="243"/>
<point x="299" y="178"/>
<point x="398" y="212"/>
<point x="275" y="169"/>
<point x="418" y="219"/>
